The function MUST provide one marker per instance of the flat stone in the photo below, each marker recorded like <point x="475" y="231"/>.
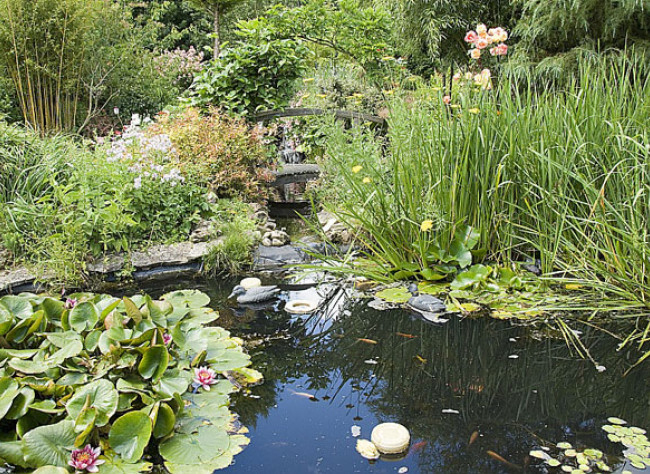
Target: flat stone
<point x="273" y="258"/>
<point x="110" y="263"/>
<point x="13" y="278"/>
<point x="173" y="254"/>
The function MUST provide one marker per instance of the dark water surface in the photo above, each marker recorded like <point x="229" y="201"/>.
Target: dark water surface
<point x="515" y="390"/>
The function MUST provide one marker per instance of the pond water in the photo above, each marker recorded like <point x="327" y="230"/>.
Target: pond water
<point x="479" y="379"/>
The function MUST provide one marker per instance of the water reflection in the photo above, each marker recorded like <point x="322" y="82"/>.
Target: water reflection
<point x="442" y="382"/>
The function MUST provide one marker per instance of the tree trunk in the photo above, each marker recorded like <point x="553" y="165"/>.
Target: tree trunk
<point x="217" y="39"/>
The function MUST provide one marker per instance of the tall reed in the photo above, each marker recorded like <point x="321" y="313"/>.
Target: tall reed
<point x="556" y="174"/>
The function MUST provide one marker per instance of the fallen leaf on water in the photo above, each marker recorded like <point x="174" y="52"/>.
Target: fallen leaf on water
<point x="356" y="431"/>
<point x="421" y="359"/>
<point x="367" y="341"/>
<point x="473" y="438"/>
<point x="450" y="411"/>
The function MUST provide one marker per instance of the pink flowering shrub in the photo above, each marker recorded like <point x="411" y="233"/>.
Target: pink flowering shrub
<point x="483" y="37"/>
<point x="180" y="65"/>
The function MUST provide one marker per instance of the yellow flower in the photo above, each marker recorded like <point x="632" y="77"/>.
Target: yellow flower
<point x="474" y="111"/>
<point x="426" y="226"/>
<point x="309" y="79"/>
<point x="322" y="96"/>
<point x="356" y="169"/>
<point x="388" y="58"/>
<point x="366" y="180"/>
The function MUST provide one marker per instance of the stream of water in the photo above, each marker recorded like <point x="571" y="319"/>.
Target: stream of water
<point x="349" y="365"/>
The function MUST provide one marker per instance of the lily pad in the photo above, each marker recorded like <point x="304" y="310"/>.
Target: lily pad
<point x="101" y="395"/>
<point x="83" y="317"/>
<point x="130" y="435"/>
<point x="394" y="295"/>
<point x="50" y="444"/>
<point x="9" y="390"/>
<point x="188" y="298"/>
<point x="197" y="448"/>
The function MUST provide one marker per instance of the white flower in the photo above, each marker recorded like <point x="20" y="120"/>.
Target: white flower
<point x="116" y="111"/>
<point x="137" y="182"/>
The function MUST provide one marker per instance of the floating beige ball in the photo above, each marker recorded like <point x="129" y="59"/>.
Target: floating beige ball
<point x="390" y="438"/>
<point x="248" y="283"/>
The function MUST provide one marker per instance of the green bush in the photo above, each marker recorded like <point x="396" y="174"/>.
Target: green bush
<point x="259" y="73"/>
<point x="123" y="375"/>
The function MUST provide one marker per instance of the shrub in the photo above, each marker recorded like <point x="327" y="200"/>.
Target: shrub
<point x="217" y="151"/>
<point x="257" y="74"/>
<point x="127" y="376"/>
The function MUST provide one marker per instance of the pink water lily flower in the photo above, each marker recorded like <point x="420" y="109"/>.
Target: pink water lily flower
<point x="86" y="459"/>
<point x="167" y="339"/>
<point x="204" y="377"/>
<point x="70" y="303"/>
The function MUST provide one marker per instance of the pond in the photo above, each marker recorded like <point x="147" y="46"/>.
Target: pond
<point x="469" y="391"/>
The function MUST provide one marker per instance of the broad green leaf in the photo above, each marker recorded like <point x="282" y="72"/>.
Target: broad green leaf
<point x="165" y="421"/>
<point x="53" y="308"/>
<point x="62" y="339"/>
<point x="20" y="307"/>
<point x="46" y="406"/>
<point x="154" y="363"/>
<point x="50" y="444"/>
<point x="6" y="320"/>
<point x="29" y="366"/>
<point x="12" y="452"/>
<point x="84" y="317"/>
<point x="394" y="295"/>
<point x="101" y="394"/>
<point x="130" y="435"/>
<point x="116" y="465"/>
<point x="132" y="310"/>
<point x="51" y="470"/>
<point x="9" y="390"/>
<point x="197" y="448"/>
<point x="21" y="403"/>
<point x="92" y="340"/>
<point x="188" y="298"/>
<point x="173" y="382"/>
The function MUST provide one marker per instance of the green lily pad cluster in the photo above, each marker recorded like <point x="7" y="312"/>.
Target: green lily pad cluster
<point x="568" y="459"/>
<point x="633" y="438"/>
<point x="118" y="374"/>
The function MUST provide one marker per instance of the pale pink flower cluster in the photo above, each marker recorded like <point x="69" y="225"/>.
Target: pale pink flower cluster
<point x="483" y="37"/>
<point x="482" y="79"/>
<point x="184" y="64"/>
<point x="144" y="152"/>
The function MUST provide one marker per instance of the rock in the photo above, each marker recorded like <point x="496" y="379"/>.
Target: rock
<point x="202" y="232"/>
<point x="276" y="238"/>
<point x="261" y="216"/>
<point x="269" y="226"/>
<point x="174" y="254"/>
<point x="334" y="230"/>
<point x="275" y="258"/>
<point x="5" y="258"/>
<point x="109" y="263"/>
<point x="14" y="278"/>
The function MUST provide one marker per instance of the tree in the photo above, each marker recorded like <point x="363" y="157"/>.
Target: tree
<point x="216" y="9"/>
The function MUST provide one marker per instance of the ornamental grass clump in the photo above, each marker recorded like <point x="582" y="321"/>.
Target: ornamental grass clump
<point x="101" y="383"/>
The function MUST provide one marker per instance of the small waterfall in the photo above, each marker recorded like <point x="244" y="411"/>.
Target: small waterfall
<point x="288" y="147"/>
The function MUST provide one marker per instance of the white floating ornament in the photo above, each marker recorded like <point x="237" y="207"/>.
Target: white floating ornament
<point x="367" y="449"/>
<point x="390" y="438"/>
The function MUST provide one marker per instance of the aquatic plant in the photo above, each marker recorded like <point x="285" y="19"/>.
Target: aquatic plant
<point x="105" y="374"/>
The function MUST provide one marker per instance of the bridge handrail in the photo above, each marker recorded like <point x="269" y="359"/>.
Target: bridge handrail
<point x="304" y="112"/>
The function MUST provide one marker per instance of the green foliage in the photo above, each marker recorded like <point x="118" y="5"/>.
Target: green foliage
<point x="535" y="173"/>
<point x="552" y="34"/>
<point x="259" y="73"/>
<point x="116" y="373"/>
<point x="345" y="29"/>
<point x="233" y="254"/>
<point x="70" y="60"/>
